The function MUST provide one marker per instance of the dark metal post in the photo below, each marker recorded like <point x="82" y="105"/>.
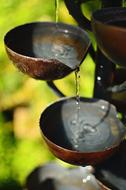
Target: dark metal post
<point x="103" y="75"/>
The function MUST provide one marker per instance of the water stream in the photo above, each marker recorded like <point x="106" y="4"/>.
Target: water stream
<point x="77" y="81"/>
<point x="76" y="121"/>
<point x="81" y="127"/>
<point x="68" y="55"/>
<point x="56" y="11"/>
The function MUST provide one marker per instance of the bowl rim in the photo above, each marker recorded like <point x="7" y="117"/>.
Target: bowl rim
<point x="96" y="20"/>
<point x="44" y="23"/>
<point x="76" y="151"/>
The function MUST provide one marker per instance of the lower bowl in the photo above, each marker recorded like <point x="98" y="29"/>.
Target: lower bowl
<point x="87" y="135"/>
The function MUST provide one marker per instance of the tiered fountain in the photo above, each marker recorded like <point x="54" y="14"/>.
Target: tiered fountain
<point x="80" y="131"/>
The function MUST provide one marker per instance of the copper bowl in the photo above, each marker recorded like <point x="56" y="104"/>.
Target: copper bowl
<point x="96" y="138"/>
<point x="109" y="27"/>
<point x="46" y="50"/>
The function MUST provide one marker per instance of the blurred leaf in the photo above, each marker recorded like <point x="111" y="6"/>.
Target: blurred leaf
<point x="89" y="7"/>
<point x="28" y="155"/>
<point x="10" y="184"/>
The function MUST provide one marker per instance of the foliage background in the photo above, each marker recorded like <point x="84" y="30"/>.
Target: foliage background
<point x="22" y="99"/>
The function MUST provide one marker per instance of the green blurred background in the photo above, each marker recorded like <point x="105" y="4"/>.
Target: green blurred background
<point x="22" y="99"/>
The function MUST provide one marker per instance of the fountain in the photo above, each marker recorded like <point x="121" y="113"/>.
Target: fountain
<point x="80" y="131"/>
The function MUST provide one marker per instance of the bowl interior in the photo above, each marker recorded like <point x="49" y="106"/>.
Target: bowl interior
<point x="110" y="15"/>
<point x="96" y="129"/>
<point x="48" y="40"/>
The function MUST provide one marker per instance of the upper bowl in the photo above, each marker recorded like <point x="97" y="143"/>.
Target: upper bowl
<point x="109" y="26"/>
<point x="46" y="50"/>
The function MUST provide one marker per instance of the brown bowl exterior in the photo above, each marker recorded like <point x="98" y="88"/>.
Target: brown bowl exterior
<point x="38" y="68"/>
<point x="103" y="187"/>
<point x="79" y="158"/>
<point x="111" y="39"/>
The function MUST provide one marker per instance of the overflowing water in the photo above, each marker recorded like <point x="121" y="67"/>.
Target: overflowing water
<point x="63" y="53"/>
